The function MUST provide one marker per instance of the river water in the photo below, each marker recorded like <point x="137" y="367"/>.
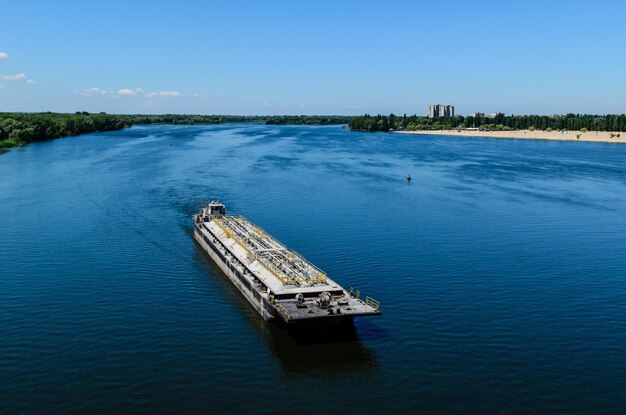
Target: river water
<point x="501" y="272"/>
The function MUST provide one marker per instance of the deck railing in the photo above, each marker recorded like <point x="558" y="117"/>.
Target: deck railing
<point x="372" y="303"/>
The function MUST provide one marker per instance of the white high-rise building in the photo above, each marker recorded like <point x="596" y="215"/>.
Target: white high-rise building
<point x="438" y="110"/>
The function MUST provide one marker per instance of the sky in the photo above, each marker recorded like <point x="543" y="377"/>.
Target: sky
<point x="339" y="57"/>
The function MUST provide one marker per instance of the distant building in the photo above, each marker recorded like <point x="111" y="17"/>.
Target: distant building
<point x="433" y="111"/>
<point x="494" y="114"/>
<point x="438" y="110"/>
<point x="477" y="114"/>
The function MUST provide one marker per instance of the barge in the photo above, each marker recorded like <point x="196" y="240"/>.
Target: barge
<point x="281" y="285"/>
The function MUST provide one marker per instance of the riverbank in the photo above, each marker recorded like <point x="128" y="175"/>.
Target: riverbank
<point x="19" y="129"/>
<point x="589" y="136"/>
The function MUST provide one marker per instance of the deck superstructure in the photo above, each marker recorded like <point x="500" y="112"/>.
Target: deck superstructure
<point x="280" y="284"/>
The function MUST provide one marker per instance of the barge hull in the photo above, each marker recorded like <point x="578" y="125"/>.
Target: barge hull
<point x="234" y="275"/>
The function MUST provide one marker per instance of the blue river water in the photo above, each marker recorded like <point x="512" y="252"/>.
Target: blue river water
<point x="501" y="272"/>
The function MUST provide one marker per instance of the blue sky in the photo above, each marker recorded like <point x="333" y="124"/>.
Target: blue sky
<point x="313" y="57"/>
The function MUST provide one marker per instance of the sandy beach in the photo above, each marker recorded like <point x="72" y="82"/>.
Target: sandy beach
<point x="593" y="136"/>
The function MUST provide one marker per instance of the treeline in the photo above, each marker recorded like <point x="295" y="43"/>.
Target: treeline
<point x="19" y="129"/>
<point x="573" y="122"/>
<point x="186" y="119"/>
<point x="309" y="119"/>
<point x="221" y="119"/>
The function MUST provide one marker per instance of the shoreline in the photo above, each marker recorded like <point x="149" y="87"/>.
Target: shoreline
<point x="589" y="136"/>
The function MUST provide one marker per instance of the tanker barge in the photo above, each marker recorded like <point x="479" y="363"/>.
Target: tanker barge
<point x="281" y="285"/>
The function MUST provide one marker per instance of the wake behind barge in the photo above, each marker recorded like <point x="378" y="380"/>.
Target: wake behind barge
<point x="281" y="285"/>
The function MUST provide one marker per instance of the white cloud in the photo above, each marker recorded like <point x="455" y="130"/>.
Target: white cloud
<point x="124" y="92"/>
<point x="21" y="76"/>
<point x="129" y="92"/>
<point x="95" y="91"/>
<point x="170" y="94"/>
<point x="4" y="56"/>
<point x="165" y="94"/>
